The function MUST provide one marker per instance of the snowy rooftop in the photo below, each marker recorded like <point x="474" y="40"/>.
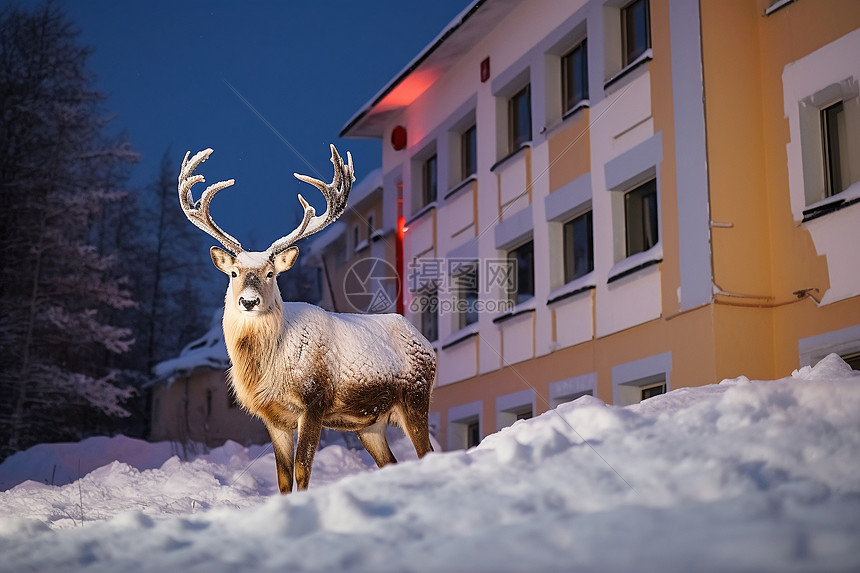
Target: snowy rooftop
<point x="208" y="351"/>
<point x="365" y="186"/>
<point x="360" y="191"/>
<point x="737" y="476"/>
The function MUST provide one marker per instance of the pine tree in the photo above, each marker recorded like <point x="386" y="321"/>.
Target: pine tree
<point x="57" y="174"/>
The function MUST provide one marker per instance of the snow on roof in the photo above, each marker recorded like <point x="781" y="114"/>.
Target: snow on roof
<point x="325" y="238"/>
<point x="208" y="351"/>
<point x="466" y="28"/>
<point x="366" y="186"/>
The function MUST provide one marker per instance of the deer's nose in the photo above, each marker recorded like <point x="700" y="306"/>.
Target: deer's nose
<point x="249" y="304"/>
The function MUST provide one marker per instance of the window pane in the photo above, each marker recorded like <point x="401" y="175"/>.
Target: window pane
<point x="520" y="118"/>
<point x="473" y="435"/>
<point x="582" y="245"/>
<point x="523" y="258"/>
<point x="578" y="247"/>
<point x="852" y="360"/>
<point x="429" y="175"/>
<point x="641" y="221"/>
<point x="429" y="315"/>
<point x="835" y="137"/>
<point x="569" y="237"/>
<point x="652" y="391"/>
<point x="634" y="21"/>
<point x="469" y="297"/>
<point x="469" y="146"/>
<point x="574" y="73"/>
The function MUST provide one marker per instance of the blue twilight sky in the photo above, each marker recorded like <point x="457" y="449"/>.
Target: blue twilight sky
<point x="305" y="66"/>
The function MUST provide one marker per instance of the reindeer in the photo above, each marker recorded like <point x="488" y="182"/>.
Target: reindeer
<point x="298" y="367"/>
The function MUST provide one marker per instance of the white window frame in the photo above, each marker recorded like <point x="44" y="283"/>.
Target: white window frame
<point x="630" y="378"/>
<point x="459" y="419"/>
<point x="843" y="341"/>
<point x="810" y="84"/>
<point x="509" y="406"/>
<point x="570" y="389"/>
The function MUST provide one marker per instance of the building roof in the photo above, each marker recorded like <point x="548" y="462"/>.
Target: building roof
<point x="461" y="33"/>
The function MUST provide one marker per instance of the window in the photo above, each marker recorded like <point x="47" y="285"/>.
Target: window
<point x="208" y="403"/>
<point x="555" y="402"/>
<point x="464" y="425"/>
<point x="355" y="237"/>
<point x="635" y="30"/>
<point x="428" y="180"/>
<point x="635" y="391"/>
<point x="834" y="135"/>
<point x="578" y="247"/>
<point x="473" y="434"/>
<point x="370" y="228"/>
<point x="429" y="304"/>
<point x="574" y="77"/>
<point x="467" y="304"/>
<point x="640" y="216"/>
<point x="852" y="360"/>
<point x="522" y="261"/>
<point x="469" y="152"/>
<point x="513" y="407"/>
<point x="652" y="390"/>
<point x="519" y="119"/>
<point x="524" y="414"/>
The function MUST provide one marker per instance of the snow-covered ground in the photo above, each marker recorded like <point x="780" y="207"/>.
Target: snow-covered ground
<point x="737" y="476"/>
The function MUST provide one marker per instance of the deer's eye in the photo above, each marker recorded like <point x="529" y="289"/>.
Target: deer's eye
<point x="234" y="274"/>
<point x="270" y="275"/>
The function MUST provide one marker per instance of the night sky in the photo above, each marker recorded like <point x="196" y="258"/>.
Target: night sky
<point x="306" y="67"/>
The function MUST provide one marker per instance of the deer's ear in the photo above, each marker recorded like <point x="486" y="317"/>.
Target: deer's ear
<point x="285" y="259"/>
<point x="222" y="259"/>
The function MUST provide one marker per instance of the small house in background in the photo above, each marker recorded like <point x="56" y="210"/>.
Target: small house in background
<point x="191" y="401"/>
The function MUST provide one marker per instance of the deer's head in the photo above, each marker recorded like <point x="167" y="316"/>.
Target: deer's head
<point x="253" y="289"/>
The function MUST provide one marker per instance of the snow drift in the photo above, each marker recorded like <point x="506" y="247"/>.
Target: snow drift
<point x="736" y="476"/>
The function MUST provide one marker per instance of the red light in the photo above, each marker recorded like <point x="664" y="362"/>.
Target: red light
<point x="398" y="137"/>
<point x="410" y="88"/>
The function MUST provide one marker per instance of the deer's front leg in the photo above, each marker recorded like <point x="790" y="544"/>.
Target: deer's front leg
<point x="282" y="441"/>
<point x="310" y="428"/>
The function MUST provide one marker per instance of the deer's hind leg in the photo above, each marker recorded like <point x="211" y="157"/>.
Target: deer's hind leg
<point x="374" y="441"/>
<point x="413" y="420"/>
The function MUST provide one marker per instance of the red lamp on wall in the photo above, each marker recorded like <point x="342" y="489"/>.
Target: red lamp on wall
<point x="398" y="138"/>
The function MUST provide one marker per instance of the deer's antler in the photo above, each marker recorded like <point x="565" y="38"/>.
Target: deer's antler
<point x="198" y="211"/>
<point x="335" y="193"/>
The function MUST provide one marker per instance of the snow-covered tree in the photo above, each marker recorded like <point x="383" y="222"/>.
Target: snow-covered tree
<point x="57" y="173"/>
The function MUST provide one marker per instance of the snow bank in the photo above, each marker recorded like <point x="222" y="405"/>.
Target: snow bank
<point x="739" y="476"/>
<point x="57" y="464"/>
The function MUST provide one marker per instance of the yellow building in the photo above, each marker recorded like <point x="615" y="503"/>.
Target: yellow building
<point x="621" y="198"/>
